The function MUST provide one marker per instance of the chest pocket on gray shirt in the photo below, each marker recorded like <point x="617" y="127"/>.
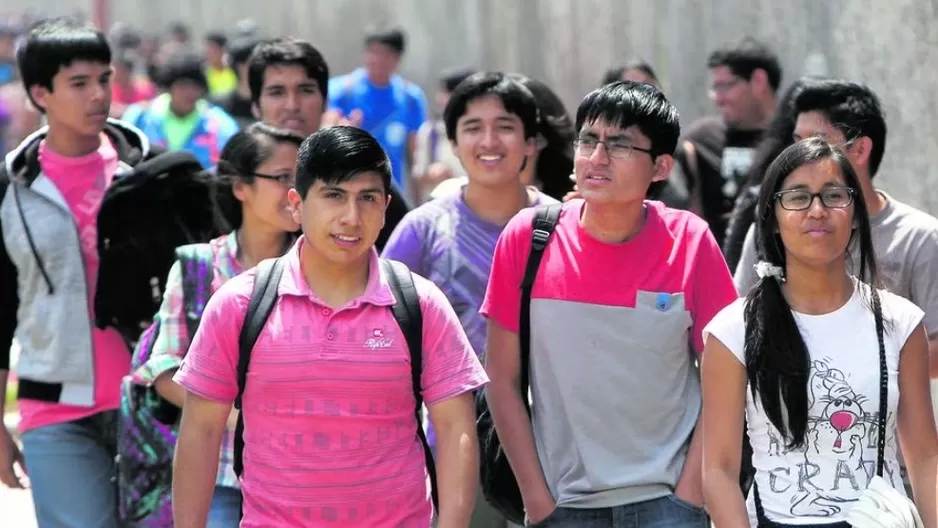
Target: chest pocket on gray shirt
<point x="664" y="322"/>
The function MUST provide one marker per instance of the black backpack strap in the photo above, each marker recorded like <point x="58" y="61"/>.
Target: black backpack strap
<point x="409" y="317"/>
<point x="263" y="299"/>
<point x="545" y="220"/>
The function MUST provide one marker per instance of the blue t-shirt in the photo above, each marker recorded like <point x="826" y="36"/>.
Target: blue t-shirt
<point x="390" y="113"/>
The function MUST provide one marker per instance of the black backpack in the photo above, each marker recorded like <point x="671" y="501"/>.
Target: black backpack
<point x="406" y="311"/>
<point x="499" y="485"/>
<point x="165" y="203"/>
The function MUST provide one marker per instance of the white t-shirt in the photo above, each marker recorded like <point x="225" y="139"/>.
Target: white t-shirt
<point x="819" y="482"/>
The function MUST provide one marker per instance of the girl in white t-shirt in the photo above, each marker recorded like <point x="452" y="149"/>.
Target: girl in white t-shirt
<point x="801" y="359"/>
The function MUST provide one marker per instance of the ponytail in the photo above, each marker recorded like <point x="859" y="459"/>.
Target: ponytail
<point x="777" y="360"/>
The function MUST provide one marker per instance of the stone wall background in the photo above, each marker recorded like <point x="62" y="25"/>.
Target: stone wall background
<point x="890" y="44"/>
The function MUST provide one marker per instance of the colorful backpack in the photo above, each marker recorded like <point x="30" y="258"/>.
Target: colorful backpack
<point x="149" y="424"/>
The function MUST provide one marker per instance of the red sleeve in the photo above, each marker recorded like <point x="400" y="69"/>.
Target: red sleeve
<point x="502" y="303"/>
<point x="712" y="284"/>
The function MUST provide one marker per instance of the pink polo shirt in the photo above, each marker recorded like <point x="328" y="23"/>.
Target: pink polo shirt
<point x="330" y="432"/>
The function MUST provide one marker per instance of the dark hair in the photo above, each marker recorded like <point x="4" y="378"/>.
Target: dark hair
<point x="286" y="52"/>
<point x="516" y="98"/>
<point x="778" y="135"/>
<point x="624" y="104"/>
<point x="183" y="65"/>
<point x="393" y="38"/>
<point x="238" y="161"/>
<point x="54" y="44"/>
<point x="179" y="28"/>
<point x="450" y="79"/>
<point x="777" y="359"/>
<point x="555" y="160"/>
<point x="240" y="51"/>
<point x="745" y="56"/>
<point x="850" y="107"/>
<point x="615" y="74"/>
<point x="337" y="154"/>
<point x="217" y="37"/>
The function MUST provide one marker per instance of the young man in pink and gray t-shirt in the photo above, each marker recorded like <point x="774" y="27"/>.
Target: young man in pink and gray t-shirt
<point x="330" y="430"/>
<point x="623" y="291"/>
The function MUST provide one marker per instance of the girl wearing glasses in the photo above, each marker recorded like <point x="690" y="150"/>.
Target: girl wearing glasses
<point x="255" y="171"/>
<point x="815" y="358"/>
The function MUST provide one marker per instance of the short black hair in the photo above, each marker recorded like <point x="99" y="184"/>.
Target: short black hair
<point x="54" y="44"/>
<point x="850" y="107"/>
<point x="217" y="37"/>
<point x="338" y="153"/>
<point x="745" y="56"/>
<point x="615" y="74"/>
<point x="450" y="78"/>
<point x="243" y="153"/>
<point x="393" y="38"/>
<point x="624" y="104"/>
<point x="286" y="51"/>
<point x="186" y="65"/>
<point x="516" y="98"/>
<point x="240" y="50"/>
<point x="179" y="28"/>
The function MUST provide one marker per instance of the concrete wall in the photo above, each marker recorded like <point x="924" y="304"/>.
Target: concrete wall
<point x="890" y="44"/>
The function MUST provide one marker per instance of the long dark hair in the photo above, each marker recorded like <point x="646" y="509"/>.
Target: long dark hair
<point x="555" y="161"/>
<point x="238" y="162"/>
<point x="777" y="359"/>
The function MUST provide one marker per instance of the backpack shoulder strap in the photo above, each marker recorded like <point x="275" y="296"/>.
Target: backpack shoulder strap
<point x="197" y="264"/>
<point x="263" y="299"/>
<point x="409" y="317"/>
<point x="545" y="220"/>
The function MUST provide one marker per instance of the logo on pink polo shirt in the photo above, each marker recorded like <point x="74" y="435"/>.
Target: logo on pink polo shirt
<point x="378" y="340"/>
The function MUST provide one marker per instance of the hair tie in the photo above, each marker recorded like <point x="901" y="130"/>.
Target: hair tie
<point x="767" y="269"/>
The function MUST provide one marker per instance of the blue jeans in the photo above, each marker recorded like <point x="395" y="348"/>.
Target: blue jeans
<point x="225" y="511"/>
<point x="72" y="469"/>
<point x="666" y="512"/>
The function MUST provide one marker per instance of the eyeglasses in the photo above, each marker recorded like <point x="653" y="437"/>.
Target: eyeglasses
<point x="723" y="87"/>
<point x="287" y="180"/>
<point x="585" y="146"/>
<point x="801" y="200"/>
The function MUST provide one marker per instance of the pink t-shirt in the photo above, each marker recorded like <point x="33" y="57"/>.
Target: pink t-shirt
<point x="83" y="182"/>
<point x="330" y="431"/>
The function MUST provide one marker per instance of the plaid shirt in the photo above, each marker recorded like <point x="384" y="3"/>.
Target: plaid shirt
<point x="173" y="340"/>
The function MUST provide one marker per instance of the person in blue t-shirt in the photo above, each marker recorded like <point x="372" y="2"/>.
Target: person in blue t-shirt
<point x="391" y="108"/>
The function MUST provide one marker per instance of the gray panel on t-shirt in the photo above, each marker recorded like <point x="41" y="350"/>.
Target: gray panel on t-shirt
<point x="616" y="396"/>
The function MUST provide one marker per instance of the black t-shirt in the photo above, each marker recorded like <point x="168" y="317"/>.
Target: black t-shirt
<point x="237" y="107"/>
<point x="724" y="156"/>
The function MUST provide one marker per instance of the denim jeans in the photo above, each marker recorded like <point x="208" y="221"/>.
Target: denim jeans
<point x="225" y="511"/>
<point x="72" y="470"/>
<point x="666" y="512"/>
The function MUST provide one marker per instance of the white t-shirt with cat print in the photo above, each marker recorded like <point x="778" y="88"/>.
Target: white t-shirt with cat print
<point x="818" y="483"/>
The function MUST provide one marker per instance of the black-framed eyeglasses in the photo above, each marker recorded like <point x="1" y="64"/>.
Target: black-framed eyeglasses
<point x="287" y="180"/>
<point x="801" y="200"/>
<point x="585" y="146"/>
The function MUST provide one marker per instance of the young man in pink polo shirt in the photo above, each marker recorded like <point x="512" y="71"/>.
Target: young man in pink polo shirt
<point x="330" y="431"/>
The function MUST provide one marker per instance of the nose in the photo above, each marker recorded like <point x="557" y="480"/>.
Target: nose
<point x="352" y="214"/>
<point x="600" y="155"/>
<point x="816" y="209"/>
<point x="489" y="138"/>
<point x="293" y="101"/>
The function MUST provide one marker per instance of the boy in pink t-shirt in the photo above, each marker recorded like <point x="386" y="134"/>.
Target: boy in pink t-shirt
<point x="51" y="191"/>
<point x="330" y="432"/>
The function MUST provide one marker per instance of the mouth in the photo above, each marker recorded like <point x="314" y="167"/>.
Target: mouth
<point x="817" y="231"/>
<point x="490" y="160"/>
<point x="346" y="240"/>
<point x="293" y="122"/>
<point x="597" y="178"/>
<point x="98" y="115"/>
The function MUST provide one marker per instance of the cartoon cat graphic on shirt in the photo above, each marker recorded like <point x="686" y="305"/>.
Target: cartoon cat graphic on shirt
<point x="844" y="428"/>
